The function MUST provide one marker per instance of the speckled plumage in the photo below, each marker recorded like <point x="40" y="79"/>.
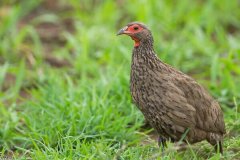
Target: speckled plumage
<point x="171" y="101"/>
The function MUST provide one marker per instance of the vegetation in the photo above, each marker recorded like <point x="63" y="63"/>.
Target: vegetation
<point x="64" y="75"/>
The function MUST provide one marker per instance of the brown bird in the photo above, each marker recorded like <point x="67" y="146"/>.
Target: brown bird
<point x="174" y="104"/>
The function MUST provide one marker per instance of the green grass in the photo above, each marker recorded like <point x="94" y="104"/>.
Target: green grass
<point x="83" y="110"/>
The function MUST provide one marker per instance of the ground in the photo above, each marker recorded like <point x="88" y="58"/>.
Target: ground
<point x="64" y="75"/>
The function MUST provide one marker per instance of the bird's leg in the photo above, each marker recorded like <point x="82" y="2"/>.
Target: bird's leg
<point x="172" y="140"/>
<point x="162" y="142"/>
<point x="219" y="147"/>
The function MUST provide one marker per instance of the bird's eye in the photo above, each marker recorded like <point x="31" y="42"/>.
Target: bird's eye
<point x="135" y="28"/>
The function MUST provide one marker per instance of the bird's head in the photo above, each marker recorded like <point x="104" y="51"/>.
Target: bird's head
<point x="138" y="32"/>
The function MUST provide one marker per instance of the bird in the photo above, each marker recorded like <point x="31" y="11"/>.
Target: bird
<point x="174" y="104"/>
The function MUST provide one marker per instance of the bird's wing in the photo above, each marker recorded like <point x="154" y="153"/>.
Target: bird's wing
<point x="209" y="116"/>
<point x="176" y="113"/>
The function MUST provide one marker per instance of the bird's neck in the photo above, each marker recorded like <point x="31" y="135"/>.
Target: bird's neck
<point x="145" y="49"/>
<point x="144" y="56"/>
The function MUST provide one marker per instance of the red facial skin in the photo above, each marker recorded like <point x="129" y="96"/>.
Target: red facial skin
<point x="133" y="29"/>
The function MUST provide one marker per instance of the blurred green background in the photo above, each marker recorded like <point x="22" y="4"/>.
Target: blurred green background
<point x="64" y="75"/>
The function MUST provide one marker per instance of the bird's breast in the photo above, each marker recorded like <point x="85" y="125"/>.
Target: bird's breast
<point x="139" y="82"/>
